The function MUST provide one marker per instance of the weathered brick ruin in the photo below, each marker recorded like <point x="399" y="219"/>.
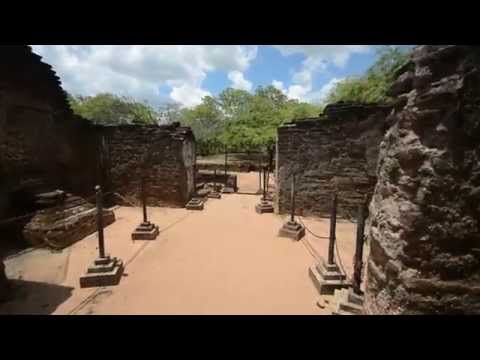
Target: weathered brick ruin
<point x="45" y="147"/>
<point x="336" y="152"/>
<point x="424" y="229"/>
<point x="164" y="155"/>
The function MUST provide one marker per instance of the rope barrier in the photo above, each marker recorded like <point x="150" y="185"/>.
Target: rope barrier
<point x="337" y="252"/>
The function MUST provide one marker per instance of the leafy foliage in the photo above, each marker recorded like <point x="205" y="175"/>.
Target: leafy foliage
<point x="242" y="121"/>
<point x="109" y="109"/>
<point x="373" y="86"/>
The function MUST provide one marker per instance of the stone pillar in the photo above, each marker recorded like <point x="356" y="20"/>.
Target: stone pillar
<point x="424" y="232"/>
<point x="3" y="282"/>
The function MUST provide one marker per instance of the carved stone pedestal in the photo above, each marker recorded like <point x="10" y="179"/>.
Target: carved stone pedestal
<point x="214" y="195"/>
<point x="195" y="204"/>
<point x="264" y="207"/>
<point x="346" y="302"/>
<point x="292" y="230"/>
<point x="328" y="277"/>
<point x="145" y="231"/>
<point x="104" y="271"/>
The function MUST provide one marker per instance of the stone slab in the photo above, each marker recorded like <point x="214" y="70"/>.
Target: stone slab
<point x="346" y="302"/>
<point x="228" y="190"/>
<point x="214" y="195"/>
<point x="264" y="207"/>
<point x="327" y="286"/>
<point x="109" y="278"/>
<point x="195" y="204"/>
<point x="293" y="233"/>
<point x="141" y="233"/>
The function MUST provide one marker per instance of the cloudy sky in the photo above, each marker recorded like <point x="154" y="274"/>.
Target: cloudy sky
<point x="186" y="73"/>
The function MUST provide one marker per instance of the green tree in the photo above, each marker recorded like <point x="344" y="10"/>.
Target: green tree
<point x="109" y="109"/>
<point x="373" y="86"/>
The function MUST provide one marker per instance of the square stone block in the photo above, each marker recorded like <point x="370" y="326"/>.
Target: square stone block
<point x="328" y="277"/>
<point x="146" y="232"/>
<point x="264" y="207"/>
<point x="108" y="274"/>
<point x="214" y="195"/>
<point x="292" y="230"/>
<point x="195" y="204"/>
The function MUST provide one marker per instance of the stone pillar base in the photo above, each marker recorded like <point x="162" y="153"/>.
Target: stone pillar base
<point x="105" y="271"/>
<point x="146" y="231"/>
<point x="214" y="195"/>
<point x="4" y="284"/>
<point x="228" y="190"/>
<point x="292" y="230"/>
<point x="195" y="204"/>
<point x="328" y="277"/>
<point x="264" y="207"/>
<point x="346" y="302"/>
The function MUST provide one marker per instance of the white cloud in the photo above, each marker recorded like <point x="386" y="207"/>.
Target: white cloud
<point x="278" y="85"/>
<point x="139" y="70"/>
<point x="188" y="95"/>
<point x="239" y="81"/>
<point x="317" y="59"/>
<point x="320" y="95"/>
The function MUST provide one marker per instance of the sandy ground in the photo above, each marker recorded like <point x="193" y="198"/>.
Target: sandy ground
<point x="226" y="259"/>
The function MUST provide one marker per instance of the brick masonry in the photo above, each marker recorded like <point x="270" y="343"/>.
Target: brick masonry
<point x="335" y="152"/>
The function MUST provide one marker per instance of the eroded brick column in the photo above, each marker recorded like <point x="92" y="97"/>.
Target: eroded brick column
<point x="424" y="232"/>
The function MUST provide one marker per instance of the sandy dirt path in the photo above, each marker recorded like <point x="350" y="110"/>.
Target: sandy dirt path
<point x="226" y="259"/>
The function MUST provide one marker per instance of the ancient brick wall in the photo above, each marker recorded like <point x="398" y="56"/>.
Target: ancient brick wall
<point x="43" y="146"/>
<point x="424" y="231"/>
<point x="336" y="152"/>
<point x="165" y="155"/>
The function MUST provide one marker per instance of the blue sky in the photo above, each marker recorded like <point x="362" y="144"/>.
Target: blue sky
<point x="184" y="74"/>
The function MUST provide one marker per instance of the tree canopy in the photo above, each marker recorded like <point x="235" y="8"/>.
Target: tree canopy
<point x="243" y="121"/>
<point x="109" y="109"/>
<point x="373" y="86"/>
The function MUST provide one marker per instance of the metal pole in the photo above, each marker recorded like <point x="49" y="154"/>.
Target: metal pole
<point x="268" y="175"/>
<point x="194" y="179"/>
<point x="264" y="184"/>
<point x="292" y="202"/>
<point x="259" y="175"/>
<point x="333" y="223"/>
<point x="101" y="242"/>
<point x="144" y="201"/>
<point x="215" y="179"/>
<point x="357" y="266"/>
<point x="226" y="159"/>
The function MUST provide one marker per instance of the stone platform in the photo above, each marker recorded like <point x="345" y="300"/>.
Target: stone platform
<point x="214" y="195"/>
<point x="69" y="221"/>
<point x="195" y="204"/>
<point x="228" y="190"/>
<point x="105" y="271"/>
<point x="346" y="302"/>
<point x="4" y="286"/>
<point x="264" y="207"/>
<point x="292" y="230"/>
<point x="146" y="231"/>
<point x="328" y="277"/>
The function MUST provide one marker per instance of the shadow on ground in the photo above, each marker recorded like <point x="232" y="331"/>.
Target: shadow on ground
<point x="34" y="298"/>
